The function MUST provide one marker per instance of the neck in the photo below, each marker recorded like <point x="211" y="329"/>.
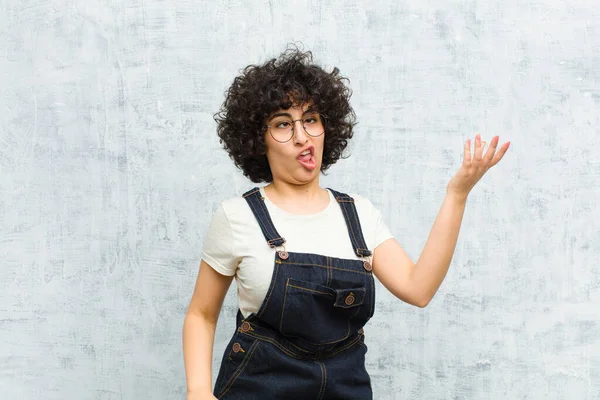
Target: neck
<point x="299" y="199"/>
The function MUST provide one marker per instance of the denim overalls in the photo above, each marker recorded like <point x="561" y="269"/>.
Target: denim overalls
<point x="306" y="341"/>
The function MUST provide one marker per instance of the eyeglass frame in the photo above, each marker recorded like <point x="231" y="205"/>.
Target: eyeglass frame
<point x="268" y="127"/>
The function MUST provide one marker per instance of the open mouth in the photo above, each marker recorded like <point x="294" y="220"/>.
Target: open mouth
<point x="307" y="158"/>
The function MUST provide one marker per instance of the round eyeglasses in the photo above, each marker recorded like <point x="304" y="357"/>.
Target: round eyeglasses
<point x="281" y="128"/>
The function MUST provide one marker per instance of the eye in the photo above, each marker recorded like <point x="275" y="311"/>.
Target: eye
<point x="311" y="120"/>
<point x="282" y="124"/>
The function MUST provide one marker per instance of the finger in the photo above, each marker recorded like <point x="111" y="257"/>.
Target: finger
<point x="478" y="149"/>
<point x="498" y="156"/>
<point x="467" y="153"/>
<point x="489" y="154"/>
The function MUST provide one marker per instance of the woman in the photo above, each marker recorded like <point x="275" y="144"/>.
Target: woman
<point x="303" y="256"/>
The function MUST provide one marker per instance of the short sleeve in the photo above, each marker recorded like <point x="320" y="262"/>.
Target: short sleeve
<point x="378" y="231"/>
<point x="219" y="243"/>
<point x="382" y="232"/>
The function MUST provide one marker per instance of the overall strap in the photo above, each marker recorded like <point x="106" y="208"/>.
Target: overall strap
<point x="259" y="209"/>
<point x="353" y="223"/>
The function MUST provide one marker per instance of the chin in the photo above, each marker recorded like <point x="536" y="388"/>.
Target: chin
<point x="306" y="176"/>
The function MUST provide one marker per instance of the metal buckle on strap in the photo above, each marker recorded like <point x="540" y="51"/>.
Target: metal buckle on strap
<point x="282" y="253"/>
<point x="367" y="263"/>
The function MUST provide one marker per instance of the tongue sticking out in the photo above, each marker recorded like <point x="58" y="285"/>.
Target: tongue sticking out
<point x="308" y="162"/>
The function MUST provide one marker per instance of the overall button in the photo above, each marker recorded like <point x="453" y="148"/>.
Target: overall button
<point x="350" y="299"/>
<point x="367" y="266"/>
<point x="245" y="327"/>
<point x="237" y="348"/>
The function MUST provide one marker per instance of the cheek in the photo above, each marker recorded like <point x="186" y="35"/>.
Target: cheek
<point x="277" y="155"/>
<point x="322" y="146"/>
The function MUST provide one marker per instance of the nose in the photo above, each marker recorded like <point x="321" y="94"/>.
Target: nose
<point x="300" y="135"/>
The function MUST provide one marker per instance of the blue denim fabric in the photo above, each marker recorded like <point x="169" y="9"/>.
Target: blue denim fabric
<point x="306" y="341"/>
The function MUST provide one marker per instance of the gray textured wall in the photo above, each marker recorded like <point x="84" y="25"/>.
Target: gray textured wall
<point x="110" y="169"/>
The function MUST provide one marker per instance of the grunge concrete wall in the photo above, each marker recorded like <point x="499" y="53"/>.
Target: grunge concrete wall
<point x="110" y="169"/>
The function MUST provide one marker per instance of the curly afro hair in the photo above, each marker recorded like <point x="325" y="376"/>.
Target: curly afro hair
<point x="281" y="83"/>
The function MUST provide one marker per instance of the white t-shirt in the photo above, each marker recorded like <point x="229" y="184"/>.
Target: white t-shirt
<point x="235" y="244"/>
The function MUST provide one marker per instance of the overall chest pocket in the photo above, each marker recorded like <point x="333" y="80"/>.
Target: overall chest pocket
<point x="320" y="314"/>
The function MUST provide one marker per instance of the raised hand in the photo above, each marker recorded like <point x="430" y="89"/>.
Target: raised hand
<point x="474" y="166"/>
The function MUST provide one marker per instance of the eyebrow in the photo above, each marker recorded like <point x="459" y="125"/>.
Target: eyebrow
<point x="282" y="114"/>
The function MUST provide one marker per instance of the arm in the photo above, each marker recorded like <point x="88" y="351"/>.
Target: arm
<point x="199" y="330"/>
<point x="417" y="283"/>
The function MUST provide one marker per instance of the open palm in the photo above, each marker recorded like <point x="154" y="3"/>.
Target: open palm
<point x="476" y="164"/>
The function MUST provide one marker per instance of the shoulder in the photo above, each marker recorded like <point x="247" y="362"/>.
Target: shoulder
<point x="363" y="204"/>
<point x="233" y="208"/>
<point x="235" y="212"/>
<point x="360" y="200"/>
<point x="372" y="221"/>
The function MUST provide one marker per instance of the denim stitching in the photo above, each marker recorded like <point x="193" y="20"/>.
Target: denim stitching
<point x="269" y="221"/>
<point x="330" y="342"/>
<point x="286" y="350"/>
<point x="299" y="263"/>
<point x="311" y="342"/>
<point x="308" y="290"/>
<point x="363" y="345"/>
<point x="345" y="347"/>
<point x="351" y="229"/>
<point x="258" y="216"/>
<point x="265" y="304"/>
<point x="283" y="306"/>
<point x="280" y="346"/>
<point x="351" y="318"/>
<point x="349" y="224"/>
<point x="341" y="197"/>
<point x="323" y="380"/>
<point x="335" y="193"/>
<point x="357" y="290"/>
<point x="298" y="356"/>
<point x="272" y="242"/>
<point x="359" y="231"/>
<point x="239" y="369"/>
<point x="264" y="212"/>
<point x="372" y="282"/>
<point x="259" y="213"/>
<point x="251" y="192"/>
<point x="324" y="266"/>
<point x="356" y="229"/>
<point x="329" y="274"/>
<point x="287" y="284"/>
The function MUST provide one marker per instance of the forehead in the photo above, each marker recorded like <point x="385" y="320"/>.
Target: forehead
<point x="296" y="107"/>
